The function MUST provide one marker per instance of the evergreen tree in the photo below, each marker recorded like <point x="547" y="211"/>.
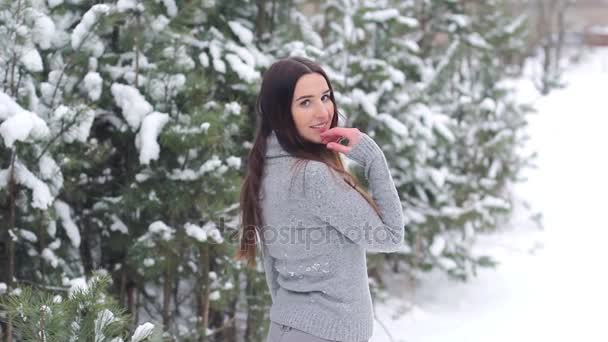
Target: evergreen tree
<point x="86" y="313"/>
<point x="477" y="129"/>
<point x="122" y="80"/>
<point x="423" y="79"/>
<point x="124" y="125"/>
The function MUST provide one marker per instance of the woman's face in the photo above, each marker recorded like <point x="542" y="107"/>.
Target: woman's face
<point x="312" y="108"/>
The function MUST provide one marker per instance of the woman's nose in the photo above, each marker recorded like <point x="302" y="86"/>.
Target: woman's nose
<point x="322" y="110"/>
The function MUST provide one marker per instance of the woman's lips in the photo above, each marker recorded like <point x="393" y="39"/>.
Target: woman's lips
<point x="324" y="127"/>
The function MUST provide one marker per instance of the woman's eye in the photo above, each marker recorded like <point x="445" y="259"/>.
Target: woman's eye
<point x="305" y="103"/>
<point x="325" y="97"/>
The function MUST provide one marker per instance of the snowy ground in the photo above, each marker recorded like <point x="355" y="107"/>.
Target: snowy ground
<point x="552" y="284"/>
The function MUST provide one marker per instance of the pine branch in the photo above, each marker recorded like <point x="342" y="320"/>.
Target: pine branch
<point x="42" y="286"/>
<point x="63" y="129"/>
<point x="70" y="62"/>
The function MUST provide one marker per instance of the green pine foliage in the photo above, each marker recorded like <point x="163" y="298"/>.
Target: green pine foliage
<point x="146" y="110"/>
<point x="424" y="79"/>
<point x="82" y="313"/>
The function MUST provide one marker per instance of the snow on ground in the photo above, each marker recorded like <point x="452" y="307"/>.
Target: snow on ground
<point x="551" y="284"/>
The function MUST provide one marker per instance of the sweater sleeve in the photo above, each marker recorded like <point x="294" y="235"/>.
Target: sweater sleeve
<point x="337" y="204"/>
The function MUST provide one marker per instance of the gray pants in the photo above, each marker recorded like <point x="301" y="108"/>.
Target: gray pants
<point x="282" y="333"/>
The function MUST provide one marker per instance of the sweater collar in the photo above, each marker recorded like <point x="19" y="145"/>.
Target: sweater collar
<point x="273" y="148"/>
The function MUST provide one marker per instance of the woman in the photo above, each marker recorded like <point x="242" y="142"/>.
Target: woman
<point x="314" y="226"/>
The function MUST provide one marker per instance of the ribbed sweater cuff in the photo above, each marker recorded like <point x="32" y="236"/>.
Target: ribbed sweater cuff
<point x="365" y="151"/>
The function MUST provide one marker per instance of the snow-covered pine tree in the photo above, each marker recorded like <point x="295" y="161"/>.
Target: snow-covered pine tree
<point x="463" y="188"/>
<point x="406" y="72"/>
<point x="31" y="130"/>
<point x="371" y="55"/>
<point x="129" y="119"/>
<point x="181" y="75"/>
<point x="85" y="312"/>
<point x="145" y="102"/>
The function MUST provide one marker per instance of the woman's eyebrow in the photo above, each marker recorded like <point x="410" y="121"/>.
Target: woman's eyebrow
<point x="307" y="96"/>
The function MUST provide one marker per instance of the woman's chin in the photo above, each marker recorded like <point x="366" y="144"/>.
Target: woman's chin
<point x="314" y="136"/>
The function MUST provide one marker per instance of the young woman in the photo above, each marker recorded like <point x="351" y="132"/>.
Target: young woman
<point x="314" y="222"/>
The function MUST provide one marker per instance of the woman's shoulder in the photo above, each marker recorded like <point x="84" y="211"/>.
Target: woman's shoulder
<point x="320" y="176"/>
<point x="309" y="168"/>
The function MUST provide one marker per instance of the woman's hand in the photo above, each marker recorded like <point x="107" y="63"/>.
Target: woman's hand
<point x="332" y="136"/>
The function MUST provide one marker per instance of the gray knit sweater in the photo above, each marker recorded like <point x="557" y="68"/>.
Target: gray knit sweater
<point x="317" y="230"/>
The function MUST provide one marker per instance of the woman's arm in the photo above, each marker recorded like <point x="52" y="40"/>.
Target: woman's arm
<point x="339" y="205"/>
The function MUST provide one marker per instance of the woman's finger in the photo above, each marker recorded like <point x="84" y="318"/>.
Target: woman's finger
<point x="326" y="140"/>
<point x="337" y="133"/>
<point x="338" y="147"/>
<point x="339" y="130"/>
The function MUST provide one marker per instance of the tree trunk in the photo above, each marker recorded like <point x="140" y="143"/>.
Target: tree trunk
<point x="85" y="248"/>
<point x="561" y="32"/>
<point x="123" y="285"/>
<point x="204" y="287"/>
<point x="261" y="18"/>
<point x="273" y="12"/>
<point x="8" y="330"/>
<point x="167" y="285"/>
<point x="42" y="243"/>
<point x="131" y="300"/>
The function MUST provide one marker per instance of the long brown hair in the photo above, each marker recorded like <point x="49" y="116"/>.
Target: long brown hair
<point x="274" y="109"/>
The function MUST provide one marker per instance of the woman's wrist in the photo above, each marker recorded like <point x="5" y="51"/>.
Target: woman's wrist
<point x="365" y="150"/>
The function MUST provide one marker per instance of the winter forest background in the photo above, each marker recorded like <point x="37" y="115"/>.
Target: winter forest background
<point x="125" y="126"/>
